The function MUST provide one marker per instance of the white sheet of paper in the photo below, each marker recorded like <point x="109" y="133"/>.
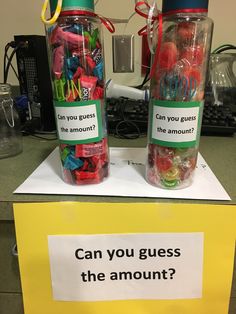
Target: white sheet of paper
<point x="127" y="178"/>
<point x="126" y="266"/>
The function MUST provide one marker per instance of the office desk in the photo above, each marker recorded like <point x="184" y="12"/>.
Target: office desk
<point x="219" y="153"/>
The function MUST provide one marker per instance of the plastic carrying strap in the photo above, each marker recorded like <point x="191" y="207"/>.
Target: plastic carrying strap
<point x="55" y="15"/>
<point x="152" y="15"/>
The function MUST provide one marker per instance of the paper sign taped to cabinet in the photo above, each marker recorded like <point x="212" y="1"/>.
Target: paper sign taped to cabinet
<point x="126" y="266"/>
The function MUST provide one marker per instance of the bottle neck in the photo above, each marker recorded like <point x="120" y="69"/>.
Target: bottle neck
<point x="191" y="12"/>
<point x="186" y="16"/>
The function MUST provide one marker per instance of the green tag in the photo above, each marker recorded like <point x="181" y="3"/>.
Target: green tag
<point x="79" y="122"/>
<point x="175" y="123"/>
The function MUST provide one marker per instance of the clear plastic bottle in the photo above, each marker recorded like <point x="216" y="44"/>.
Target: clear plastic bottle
<point x="177" y="92"/>
<point x="77" y="73"/>
<point x="10" y="134"/>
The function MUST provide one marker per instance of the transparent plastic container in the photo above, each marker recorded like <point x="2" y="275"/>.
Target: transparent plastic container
<point x="76" y="60"/>
<point x="10" y="134"/>
<point x="176" y="97"/>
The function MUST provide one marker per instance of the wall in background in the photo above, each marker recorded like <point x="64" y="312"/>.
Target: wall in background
<point x="23" y="17"/>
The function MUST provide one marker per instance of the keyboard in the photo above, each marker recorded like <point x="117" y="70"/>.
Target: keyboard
<point x="128" y="118"/>
<point x="218" y="120"/>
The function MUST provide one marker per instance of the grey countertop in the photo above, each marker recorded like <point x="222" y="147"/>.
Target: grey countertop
<point x="219" y="153"/>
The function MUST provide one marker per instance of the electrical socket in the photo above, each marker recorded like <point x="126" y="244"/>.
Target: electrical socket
<point x="123" y="53"/>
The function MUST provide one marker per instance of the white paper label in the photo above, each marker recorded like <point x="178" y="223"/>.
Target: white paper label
<point x="126" y="266"/>
<point x="77" y="123"/>
<point x="175" y="124"/>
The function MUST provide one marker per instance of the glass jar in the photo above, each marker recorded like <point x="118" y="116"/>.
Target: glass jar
<point x="77" y="74"/>
<point x="10" y="134"/>
<point x="177" y="93"/>
<point x="221" y="87"/>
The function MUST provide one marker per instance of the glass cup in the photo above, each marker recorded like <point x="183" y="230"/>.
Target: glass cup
<point x="10" y="134"/>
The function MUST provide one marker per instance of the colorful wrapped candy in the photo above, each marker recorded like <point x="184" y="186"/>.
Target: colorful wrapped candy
<point x="77" y="72"/>
<point x="176" y="93"/>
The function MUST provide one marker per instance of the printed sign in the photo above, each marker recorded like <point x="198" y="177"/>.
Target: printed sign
<point x="78" y="122"/>
<point x="175" y="124"/>
<point x="153" y="251"/>
<point x="122" y="267"/>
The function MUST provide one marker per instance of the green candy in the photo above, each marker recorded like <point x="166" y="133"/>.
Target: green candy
<point x="59" y="89"/>
<point x="170" y="184"/>
<point x="65" y="153"/>
<point x="92" y="38"/>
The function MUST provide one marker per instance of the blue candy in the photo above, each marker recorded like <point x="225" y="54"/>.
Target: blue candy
<point x="76" y="29"/>
<point x="72" y="163"/>
<point x="98" y="70"/>
<point x="72" y="63"/>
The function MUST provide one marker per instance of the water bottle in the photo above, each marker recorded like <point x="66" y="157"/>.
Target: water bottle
<point x="75" y="49"/>
<point x="178" y="75"/>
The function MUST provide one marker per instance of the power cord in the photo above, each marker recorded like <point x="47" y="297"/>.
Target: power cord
<point x="124" y="118"/>
<point x="224" y="47"/>
<point x="7" y="61"/>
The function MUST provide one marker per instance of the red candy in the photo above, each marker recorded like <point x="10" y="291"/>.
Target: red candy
<point x="91" y="63"/>
<point x="73" y="41"/>
<point x="168" y="56"/>
<point x="56" y="36"/>
<point x="58" y="61"/>
<point x="88" y="150"/>
<point x="163" y="163"/>
<point x="193" y="55"/>
<point x="98" y="93"/>
<point x="192" y="74"/>
<point x="86" y="177"/>
<point x="78" y="73"/>
<point x="186" y="30"/>
<point x="88" y="84"/>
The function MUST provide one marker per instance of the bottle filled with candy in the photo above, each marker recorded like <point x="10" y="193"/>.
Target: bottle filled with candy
<point x="75" y="49"/>
<point x="178" y="77"/>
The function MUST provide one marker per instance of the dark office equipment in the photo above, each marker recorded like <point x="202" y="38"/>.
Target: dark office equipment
<point x="128" y="118"/>
<point x="34" y="77"/>
<point x="218" y="120"/>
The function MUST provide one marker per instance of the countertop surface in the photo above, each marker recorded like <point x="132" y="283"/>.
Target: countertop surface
<point x="219" y="153"/>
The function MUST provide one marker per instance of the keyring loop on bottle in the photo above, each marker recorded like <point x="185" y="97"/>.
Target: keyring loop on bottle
<point x="11" y="124"/>
<point x="108" y="24"/>
<point x="55" y="15"/>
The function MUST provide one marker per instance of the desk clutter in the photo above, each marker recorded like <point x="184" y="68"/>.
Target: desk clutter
<point x="128" y="118"/>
